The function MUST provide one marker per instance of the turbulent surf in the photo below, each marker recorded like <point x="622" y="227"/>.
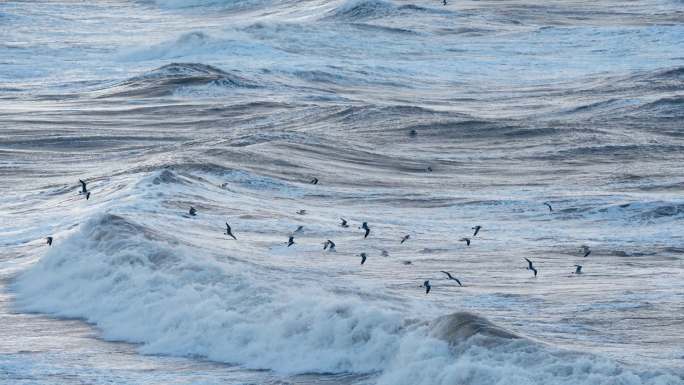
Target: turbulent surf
<point x="418" y="118"/>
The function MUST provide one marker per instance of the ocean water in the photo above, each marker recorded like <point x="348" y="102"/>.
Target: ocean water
<point x="415" y="117"/>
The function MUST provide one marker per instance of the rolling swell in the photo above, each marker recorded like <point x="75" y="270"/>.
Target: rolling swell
<point x="353" y="10"/>
<point x="513" y="105"/>
<point x="611" y="152"/>
<point x="670" y="108"/>
<point x="363" y="9"/>
<point x="166" y="80"/>
<point x="478" y="129"/>
<point x="672" y="76"/>
<point x="671" y="79"/>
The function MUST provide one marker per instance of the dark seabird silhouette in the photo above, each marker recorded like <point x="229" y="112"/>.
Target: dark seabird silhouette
<point x="444" y="2"/>
<point x="314" y="181"/>
<point x="549" y="206"/>
<point x="299" y="230"/>
<point x="427" y="287"/>
<point x="477" y="230"/>
<point x="405" y="238"/>
<point x="49" y="241"/>
<point x="407" y="262"/>
<point x="301" y="212"/>
<point x="365" y="227"/>
<point x="344" y="222"/>
<point x="193" y="212"/>
<point x="413" y="133"/>
<point x="290" y="241"/>
<point x="429" y="169"/>
<point x="363" y="257"/>
<point x="531" y="267"/>
<point x="229" y="232"/>
<point x="84" y="189"/>
<point x="578" y="269"/>
<point x="585" y="249"/>
<point x="384" y="253"/>
<point x="452" y="278"/>
<point x="466" y="240"/>
<point x="329" y="244"/>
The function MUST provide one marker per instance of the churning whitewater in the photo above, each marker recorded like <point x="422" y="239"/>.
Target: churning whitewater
<point x="342" y="192"/>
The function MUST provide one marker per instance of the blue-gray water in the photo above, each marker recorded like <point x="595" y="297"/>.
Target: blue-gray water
<point x="232" y="107"/>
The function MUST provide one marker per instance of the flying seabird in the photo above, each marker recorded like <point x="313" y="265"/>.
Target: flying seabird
<point x="549" y="206"/>
<point x="49" y="241"/>
<point x="429" y="169"/>
<point x="427" y="287"/>
<point x="405" y="238"/>
<point x="299" y="229"/>
<point x="344" y="222"/>
<point x="413" y="133"/>
<point x="530" y="267"/>
<point x="585" y="249"/>
<point x="84" y="189"/>
<point x="290" y="241"/>
<point x="229" y="232"/>
<point x="477" y="230"/>
<point x="363" y="257"/>
<point x="314" y="181"/>
<point x="365" y="227"/>
<point x="578" y="269"/>
<point x="407" y="262"/>
<point x="452" y="278"/>
<point x="384" y="253"/>
<point x="467" y="241"/>
<point x="444" y="2"/>
<point x="330" y="244"/>
<point x="301" y="212"/>
<point x="193" y="212"/>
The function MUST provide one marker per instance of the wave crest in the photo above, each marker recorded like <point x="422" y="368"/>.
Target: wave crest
<point x="456" y="328"/>
<point x="363" y="9"/>
<point x="167" y="79"/>
<point x="353" y="10"/>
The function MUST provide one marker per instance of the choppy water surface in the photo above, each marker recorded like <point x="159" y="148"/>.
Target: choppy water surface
<point x="233" y="106"/>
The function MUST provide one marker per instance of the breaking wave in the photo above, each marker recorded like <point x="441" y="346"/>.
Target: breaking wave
<point x="142" y="285"/>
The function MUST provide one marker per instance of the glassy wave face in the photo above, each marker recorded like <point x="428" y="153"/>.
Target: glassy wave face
<point x="419" y="118"/>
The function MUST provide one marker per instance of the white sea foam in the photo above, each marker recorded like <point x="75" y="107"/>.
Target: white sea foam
<point x="142" y="285"/>
<point x="242" y="102"/>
